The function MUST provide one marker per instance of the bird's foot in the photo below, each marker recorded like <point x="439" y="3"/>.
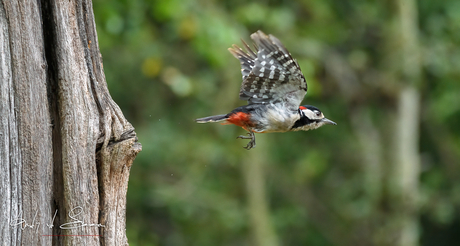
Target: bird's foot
<point x="252" y="143"/>
<point x="246" y="137"/>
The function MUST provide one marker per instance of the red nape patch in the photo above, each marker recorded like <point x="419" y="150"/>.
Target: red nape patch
<point x="240" y="119"/>
<point x="302" y="107"/>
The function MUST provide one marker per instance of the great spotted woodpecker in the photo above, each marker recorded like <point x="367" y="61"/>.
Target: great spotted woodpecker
<point x="274" y="87"/>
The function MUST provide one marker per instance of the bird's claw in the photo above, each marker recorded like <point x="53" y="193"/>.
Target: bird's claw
<point x="251" y="143"/>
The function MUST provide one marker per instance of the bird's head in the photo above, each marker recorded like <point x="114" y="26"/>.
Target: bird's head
<point x="310" y="118"/>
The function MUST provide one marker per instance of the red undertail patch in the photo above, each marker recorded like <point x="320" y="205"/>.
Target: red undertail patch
<point x="240" y="119"/>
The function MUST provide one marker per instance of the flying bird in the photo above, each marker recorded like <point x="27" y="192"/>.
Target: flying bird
<point x="274" y="87"/>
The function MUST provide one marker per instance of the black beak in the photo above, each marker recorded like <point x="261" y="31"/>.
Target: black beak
<point x="328" y="121"/>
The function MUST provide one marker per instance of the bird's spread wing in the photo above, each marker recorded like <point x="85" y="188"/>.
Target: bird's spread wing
<point x="269" y="72"/>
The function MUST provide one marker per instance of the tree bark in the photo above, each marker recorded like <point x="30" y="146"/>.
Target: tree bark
<point x="65" y="147"/>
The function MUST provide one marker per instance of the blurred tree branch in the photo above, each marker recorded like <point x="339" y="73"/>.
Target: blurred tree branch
<point x="407" y="157"/>
<point x="254" y="166"/>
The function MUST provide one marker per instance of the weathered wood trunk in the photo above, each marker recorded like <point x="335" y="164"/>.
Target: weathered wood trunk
<point x="65" y="147"/>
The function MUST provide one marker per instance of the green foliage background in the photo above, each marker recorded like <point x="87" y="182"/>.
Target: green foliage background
<point x="166" y="63"/>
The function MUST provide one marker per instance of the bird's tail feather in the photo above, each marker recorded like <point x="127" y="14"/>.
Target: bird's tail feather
<point x="214" y="118"/>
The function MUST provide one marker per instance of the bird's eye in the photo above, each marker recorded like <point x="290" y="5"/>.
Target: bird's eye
<point x="318" y="113"/>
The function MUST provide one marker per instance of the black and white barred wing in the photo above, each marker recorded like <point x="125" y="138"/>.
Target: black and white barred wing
<point x="269" y="72"/>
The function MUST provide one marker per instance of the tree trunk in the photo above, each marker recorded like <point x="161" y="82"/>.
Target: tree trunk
<point x="65" y="147"/>
<point x="258" y="206"/>
<point x="407" y="164"/>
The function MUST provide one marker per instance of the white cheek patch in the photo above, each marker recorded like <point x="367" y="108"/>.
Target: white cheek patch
<point x="312" y="115"/>
<point x="308" y="113"/>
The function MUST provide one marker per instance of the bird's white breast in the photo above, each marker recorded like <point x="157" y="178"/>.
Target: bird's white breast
<point x="276" y="118"/>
